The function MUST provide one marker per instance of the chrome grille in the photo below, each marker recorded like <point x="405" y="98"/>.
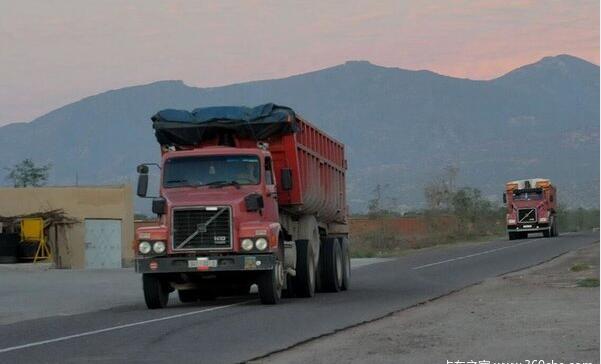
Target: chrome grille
<point x="526" y="216"/>
<point x="202" y="228"/>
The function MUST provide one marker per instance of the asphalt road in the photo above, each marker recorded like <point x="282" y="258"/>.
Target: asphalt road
<point x="239" y="329"/>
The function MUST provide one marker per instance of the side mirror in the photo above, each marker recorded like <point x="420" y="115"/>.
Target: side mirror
<point x="159" y="206"/>
<point x="142" y="190"/>
<point x="142" y="185"/>
<point x="253" y="202"/>
<point x="286" y="179"/>
<point x="504" y="198"/>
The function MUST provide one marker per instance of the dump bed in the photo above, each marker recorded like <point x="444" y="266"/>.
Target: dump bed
<point x="315" y="159"/>
<point x="318" y="172"/>
<point x="545" y="185"/>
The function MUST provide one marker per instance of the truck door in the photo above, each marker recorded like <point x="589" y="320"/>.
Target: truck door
<point x="271" y="198"/>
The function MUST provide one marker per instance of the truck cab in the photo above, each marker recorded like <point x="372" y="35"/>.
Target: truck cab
<point x="531" y="208"/>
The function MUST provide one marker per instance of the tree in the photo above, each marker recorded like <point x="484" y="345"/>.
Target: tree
<point x="380" y="205"/>
<point x="440" y="191"/>
<point x="26" y="173"/>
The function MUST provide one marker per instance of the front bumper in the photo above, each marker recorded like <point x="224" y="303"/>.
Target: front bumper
<point x="217" y="263"/>
<point x="529" y="228"/>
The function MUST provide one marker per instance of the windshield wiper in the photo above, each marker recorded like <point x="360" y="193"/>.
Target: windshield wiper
<point x="180" y="182"/>
<point x="176" y="181"/>
<point x="218" y="184"/>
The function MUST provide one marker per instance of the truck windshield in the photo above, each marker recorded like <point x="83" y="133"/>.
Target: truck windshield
<point x="214" y="171"/>
<point x="524" y="196"/>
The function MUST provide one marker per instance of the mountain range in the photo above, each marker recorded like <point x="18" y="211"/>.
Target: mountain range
<point x="401" y="128"/>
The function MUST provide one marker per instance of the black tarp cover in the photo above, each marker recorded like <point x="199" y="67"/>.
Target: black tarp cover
<point x="181" y="127"/>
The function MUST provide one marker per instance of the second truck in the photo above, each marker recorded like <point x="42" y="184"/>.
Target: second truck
<point x="247" y="196"/>
<point x="531" y="208"/>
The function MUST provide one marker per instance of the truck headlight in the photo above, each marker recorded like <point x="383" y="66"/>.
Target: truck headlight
<point x="158" y="247"/>
<point x="511" y="221"/>
<point x="247" y="244"/>
<point x="543" y="219"/>
<point x="261" y="244"/>
<point x="144" y="247"/>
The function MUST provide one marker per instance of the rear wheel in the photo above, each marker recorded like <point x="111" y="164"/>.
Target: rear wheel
<point x="156" y="291"/>
<point x="270" y="285"/>
<point x="346" y="264"/>
<point x="304" y="281"/>
<point x="289" y="291"/>
<point x="332" y="266"/>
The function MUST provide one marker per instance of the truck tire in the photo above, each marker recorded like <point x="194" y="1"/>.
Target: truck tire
<point x="187" y="295"/>
<point x="289" y="292"/>
<point x="555" y="229"/>
<point x="304" y="281"/>
<point x="346" y="261"/>
<point x="549" y="232"/>
<point x="332" y="266"/>
<point x="513" y="236"/>
<point x="156" y="292"/>
<point x="270" y="285"/>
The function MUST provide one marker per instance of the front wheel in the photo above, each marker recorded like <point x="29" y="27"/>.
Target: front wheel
<point x="156" y="291"/>
<point x="548" y="233"/>
<point x="270" y="285"/>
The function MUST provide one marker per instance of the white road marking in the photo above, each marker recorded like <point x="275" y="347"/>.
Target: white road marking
<point x="119" y="327"/>
<point x="363" y="262"/>
<point x="475" y="254"/>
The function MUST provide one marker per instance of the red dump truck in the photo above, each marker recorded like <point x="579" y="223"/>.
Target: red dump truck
<point x="247" y="196"/>
<point x="531" y="208"/>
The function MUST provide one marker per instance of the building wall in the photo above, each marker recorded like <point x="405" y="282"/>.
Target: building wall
<point x="110" y="202"/>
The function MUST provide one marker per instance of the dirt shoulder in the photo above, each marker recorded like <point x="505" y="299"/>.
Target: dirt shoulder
<point x="539" y="313"/>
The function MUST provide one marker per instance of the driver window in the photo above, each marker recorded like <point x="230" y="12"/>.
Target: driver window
<point x="268" y="172"/>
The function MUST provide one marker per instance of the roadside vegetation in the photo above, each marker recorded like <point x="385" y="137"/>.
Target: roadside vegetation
<point x="588" y="282"/>
<point x="27" y="174"/>
<point x="453" y="214"/>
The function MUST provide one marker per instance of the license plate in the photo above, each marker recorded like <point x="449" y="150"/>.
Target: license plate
<point x="527" y="226"/>
<point x="250" y="263"/>
<point x="202" y="263"/>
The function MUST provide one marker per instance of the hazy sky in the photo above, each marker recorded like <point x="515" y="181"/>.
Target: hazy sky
<point x="56" y="52"/>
